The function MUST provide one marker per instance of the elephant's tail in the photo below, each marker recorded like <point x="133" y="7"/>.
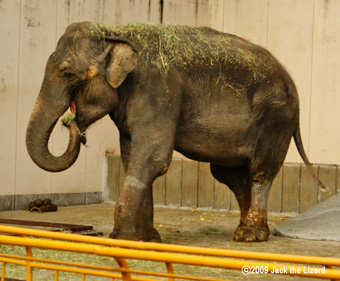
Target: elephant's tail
<point x="299" y="146"/>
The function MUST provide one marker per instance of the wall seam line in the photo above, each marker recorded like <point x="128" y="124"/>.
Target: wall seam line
<point x="181" y="189"/>
<point x="17" y="113"/>
<point x="198" y="182"/>
<point x="299" y="187"/>
<point x="311" y="84"/>
<point x="282" y="181"/>
<point x="52" y="138"/>
<point x="267" y="31"/>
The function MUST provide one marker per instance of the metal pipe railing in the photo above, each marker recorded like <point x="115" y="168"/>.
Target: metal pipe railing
<point x="121" y="250"/>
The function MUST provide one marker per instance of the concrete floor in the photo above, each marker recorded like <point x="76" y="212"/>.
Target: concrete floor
<point x="194" y="227"/>
<point x="186" y="226"/>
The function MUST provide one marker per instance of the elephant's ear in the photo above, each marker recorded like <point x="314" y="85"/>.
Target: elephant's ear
<point x="123" y="60"/>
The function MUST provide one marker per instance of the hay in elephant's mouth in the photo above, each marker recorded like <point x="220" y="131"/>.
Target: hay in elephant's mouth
<point x="66" y="120"/>
<point x="188" y="48"/>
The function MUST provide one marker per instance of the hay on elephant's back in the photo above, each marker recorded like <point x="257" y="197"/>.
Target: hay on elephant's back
<point x="186" y="48"/>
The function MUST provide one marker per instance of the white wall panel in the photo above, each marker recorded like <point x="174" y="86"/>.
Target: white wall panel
<point x="290" y="39"/>
<point x="9" y="56"/>
<point x="195" y="12"/>
<point x="37" y="39"/>
<point x="217" y="14"/>
<point x="247" y="19"/>
<point x="172" y="12"/>
<point x="325" y="103"/>
<point x="73" y="179"/>
<point x="71" y="11"/>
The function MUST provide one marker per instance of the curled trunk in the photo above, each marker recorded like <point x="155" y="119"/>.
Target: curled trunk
<point x="38" y="133"/>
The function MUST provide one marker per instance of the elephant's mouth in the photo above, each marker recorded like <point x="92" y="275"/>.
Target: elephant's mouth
<point x="73" y="107"/>
<point x="71" y="117"/>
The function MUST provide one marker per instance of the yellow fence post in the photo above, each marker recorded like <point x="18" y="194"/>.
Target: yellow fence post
<point x="125" y="266"/>
<point x="170" y="269"/>
<point x="29" y="271"/>
<point x="3" y="271"/>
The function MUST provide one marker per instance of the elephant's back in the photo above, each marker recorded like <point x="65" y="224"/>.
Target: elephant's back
<point x="229" y="60"/>
<point x="185" y="47"/>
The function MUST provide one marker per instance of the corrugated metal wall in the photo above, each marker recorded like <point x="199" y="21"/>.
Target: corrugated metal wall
<point x="304" y="35"/>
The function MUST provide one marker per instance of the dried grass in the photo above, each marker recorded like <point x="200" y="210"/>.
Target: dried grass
<point x="188" y="48"/>
<point x="68" y="119"/>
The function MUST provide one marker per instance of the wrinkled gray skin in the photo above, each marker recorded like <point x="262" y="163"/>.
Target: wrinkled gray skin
<point x="220" y="111"/>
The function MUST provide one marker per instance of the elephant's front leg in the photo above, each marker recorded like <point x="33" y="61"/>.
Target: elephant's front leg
<point x="134" y="212"/>
<point x="146" y="160"/>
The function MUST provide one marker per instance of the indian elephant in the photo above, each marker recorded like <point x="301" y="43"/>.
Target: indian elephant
<point x="212" y="96"/>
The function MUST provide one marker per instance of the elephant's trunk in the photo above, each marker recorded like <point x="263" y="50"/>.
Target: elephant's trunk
<point x="41" y="124"/>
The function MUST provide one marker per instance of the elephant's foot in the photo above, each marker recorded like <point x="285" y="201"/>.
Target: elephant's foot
<point x="146" y="235"/>
<point x="251" y="233"/>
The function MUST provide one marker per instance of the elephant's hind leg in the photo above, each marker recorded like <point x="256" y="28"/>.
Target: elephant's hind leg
<point x="254" y="227"/>
<point x="237" y="180"/>
<point x="253" y="222"/>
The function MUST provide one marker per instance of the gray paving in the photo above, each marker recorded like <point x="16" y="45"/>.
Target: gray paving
<point x="321" y="222"/>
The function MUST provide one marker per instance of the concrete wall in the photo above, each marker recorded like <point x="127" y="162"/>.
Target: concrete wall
<point x="304" y="35"/>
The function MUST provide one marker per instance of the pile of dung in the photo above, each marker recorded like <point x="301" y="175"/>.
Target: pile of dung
<point x="42" y="205"/>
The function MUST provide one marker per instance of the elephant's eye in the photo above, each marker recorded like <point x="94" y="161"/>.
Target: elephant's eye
<point x="68" y="75"/>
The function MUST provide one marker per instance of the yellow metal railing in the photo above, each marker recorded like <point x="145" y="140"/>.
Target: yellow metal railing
<point x="121" y="250"/>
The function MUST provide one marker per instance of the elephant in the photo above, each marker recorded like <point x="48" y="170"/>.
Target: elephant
<point x="212" y="96"/>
